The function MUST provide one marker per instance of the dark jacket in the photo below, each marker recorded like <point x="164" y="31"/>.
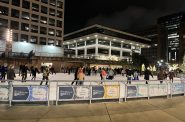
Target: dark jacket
<point x="10" y="74"/>
<point x="147" y="74"/>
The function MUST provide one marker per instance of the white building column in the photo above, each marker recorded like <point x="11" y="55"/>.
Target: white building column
<point x="110" y="48"/>
<point x="85" y="51"/>
<point x="96" y="47"/>
<point x="76" y="51"/>
<point x="121" y="51"/>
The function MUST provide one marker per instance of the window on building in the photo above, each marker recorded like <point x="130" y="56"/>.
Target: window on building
<point x="103" y="51"/>
<point x="115" y="52"/>
<point x="35" y="7"/>
<point x="34" y="18"/>
<point x="65" y="46"/>
<point x="51" y="32"/>
<point x="24" y="38"/>
<point x="25" y="15"/>
<point x="104" y="42"/>
<point x="4" y="1"/>
<point x="16" y="2"/>
<point x="3" y="23"/>
<point x="43" y="30"/>
<point x="42" y="41"/>
<point x="43" y="20"/>
<point x="91" y="42"/>
<point x="14" y="25"/>
<point x="45" y="1"/>
<point x="52" y="2"/>
<point x="58" y="43"/>
<point x="126" y="54"/>
<point x="59" y="23"/>
<point x="127" y="46"/>
<point x="44" y="9"/>
<point x="91" y="51"/>
<point x="15" y="37"/>
<point x="4" y="11"/>
<point x="116" y="44"/>
<point x="59" y="4"/>
<point x="51" y="41"/>
<point x="52" y="12"/>
<point x="33" y="39"/>
<point x="80" y="44"/>
<point x="58" y="33"/>
<point x="24" y="27"/>
<point x="15" y="13"/>
<point x="59" y="14"/>
<point x="81" y="52"/>
<point x="72" y="45"/>
<point x="51" y="22"/>
<point x="25" y="4"/>
<point x="34" y="28"/>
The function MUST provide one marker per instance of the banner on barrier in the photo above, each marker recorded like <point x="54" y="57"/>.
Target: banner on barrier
<point x="131" y="91"/>
<point x="111" y="92"/>
<point x="4" y="93"/>
<point x="142" y="91"/>
<point x="157" y="90"/>
<point x="76" y="92"/>
<point x="30" y="93"/>
<point x="177" y="88"/>
<point x="98" y="92"/>
<point x="66" y="93"/>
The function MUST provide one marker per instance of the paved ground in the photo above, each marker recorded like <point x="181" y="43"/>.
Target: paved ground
<point x="154" y="110"/>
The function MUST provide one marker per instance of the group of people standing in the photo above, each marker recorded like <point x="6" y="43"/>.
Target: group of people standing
<point x="7" y="71"/>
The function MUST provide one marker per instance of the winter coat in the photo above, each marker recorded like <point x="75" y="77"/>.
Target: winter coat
<point x="10" y="74"/>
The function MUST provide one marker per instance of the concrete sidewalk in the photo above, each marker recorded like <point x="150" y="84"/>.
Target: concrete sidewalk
<point x="154" y="110"/>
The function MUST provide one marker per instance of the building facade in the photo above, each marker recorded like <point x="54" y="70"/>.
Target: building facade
<point x="36" y="25"/>
<point x="171" y="37"/>
<point x="103" y="43"/>
<point x="151" y="33"/>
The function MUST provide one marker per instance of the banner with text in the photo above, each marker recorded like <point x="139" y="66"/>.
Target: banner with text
<point x="177" y="88"/>
<point x="30" y="93"/>
<point x="4" y="93"/>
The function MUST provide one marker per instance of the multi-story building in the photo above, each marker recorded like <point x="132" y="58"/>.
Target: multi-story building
<point x="150" y="53"/>
<point x="103" y="43"/>
<point x="170" y="37"/>
<point x="36" y="25"/>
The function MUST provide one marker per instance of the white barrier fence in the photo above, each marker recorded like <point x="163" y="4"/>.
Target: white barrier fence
<point x="91" y="90"/>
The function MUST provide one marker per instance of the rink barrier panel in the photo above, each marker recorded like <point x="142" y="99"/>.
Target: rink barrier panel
<point x="171" y="89"/>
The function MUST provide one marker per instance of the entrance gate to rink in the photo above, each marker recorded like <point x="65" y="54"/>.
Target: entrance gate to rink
<point x="90" y="91"/>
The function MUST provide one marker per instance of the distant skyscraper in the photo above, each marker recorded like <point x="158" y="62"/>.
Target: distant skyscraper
<point x="35" y="24"/>
<point x="170" y="37"/>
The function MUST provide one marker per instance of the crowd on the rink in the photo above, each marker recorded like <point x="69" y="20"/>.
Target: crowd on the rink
<point x="7" y="73"/>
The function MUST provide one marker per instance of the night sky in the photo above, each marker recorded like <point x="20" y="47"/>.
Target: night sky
<point x="118" y="14"/>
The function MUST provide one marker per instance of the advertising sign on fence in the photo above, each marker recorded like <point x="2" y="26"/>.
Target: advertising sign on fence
<point x="4" y="90"/>
<point x="97" y="92"/>
<point x="177" y="88"/>
<point x="66" y="93"/>
<point x="82" y="92"/>
<point x="132" y="91"/>
<point x="30" y="93"/>
<point x="157" y="90"/>
<point x="38" y="93"/>
<point x="111" y="92"/>
<point x="142" y="91"/>
<point x="71" y="93"/>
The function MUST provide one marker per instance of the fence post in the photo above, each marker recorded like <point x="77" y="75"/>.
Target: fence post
<point x="171" y="92"/>
<point x="10" y="93"/>
<point x="148" y="91"/>
<point x="125" y="92"/>
<point x="57" y="88"/>
<point x="119" y="92"/>
<point x="90" y="97"/>
<point x="184" y="89"/>
<point x="48" y="92"/>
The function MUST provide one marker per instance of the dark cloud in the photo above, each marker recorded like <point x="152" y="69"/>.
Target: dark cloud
<point x="120" y="14"/>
